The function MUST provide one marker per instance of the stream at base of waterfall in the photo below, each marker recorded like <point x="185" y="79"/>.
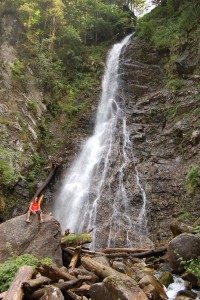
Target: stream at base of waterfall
<point x="102" y="190"/>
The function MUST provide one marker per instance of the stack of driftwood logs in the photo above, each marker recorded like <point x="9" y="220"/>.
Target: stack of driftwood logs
<point x="51" y="282"/>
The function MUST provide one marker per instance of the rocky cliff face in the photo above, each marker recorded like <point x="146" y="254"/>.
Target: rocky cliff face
<point x="19" y="121"/>
<point x="29" y="132"/>
<point x="163" y="125"/>
<point x="164" y="128"/>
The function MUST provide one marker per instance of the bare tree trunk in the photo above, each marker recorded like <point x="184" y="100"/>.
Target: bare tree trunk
<point x="15" y="290"/>
<point x="33" y="284"/>
<point x="157" y="251"/>
<point x="64" y="286"/>
<point x="44" y="185"/>
<point x="128" y="250"/>
<point x="75" y="258"/>
<point x="100" y="270"/>
<point x="53" y="272"/>
<point x="2" y="295"/>
<point x="76" y="297"/>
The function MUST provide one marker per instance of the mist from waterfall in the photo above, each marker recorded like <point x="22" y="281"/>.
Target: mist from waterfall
<point x="93" y="192"/>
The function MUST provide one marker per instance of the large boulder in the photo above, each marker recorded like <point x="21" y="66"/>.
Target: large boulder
<point x="40" y="240"/>
<point x="179" y="227"/>
<point x="186" y="246"/>
<point x="113" y="288"/>
<point x="152" y="287"/>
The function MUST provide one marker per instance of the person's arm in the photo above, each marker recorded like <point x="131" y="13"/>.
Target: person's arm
<point x="40" y="200"/>
<point x="30" y="208"/>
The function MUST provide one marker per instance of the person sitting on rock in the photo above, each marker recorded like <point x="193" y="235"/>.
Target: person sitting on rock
<point x="35" y="209"/>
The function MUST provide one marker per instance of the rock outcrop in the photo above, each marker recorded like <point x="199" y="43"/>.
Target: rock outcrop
<point x="40" y="240"/>
<point x="113" y="288"/>
<point x="164" y="129"/>
<point x="185" y="246"/>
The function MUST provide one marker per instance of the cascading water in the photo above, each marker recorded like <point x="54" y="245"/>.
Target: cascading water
<point x="102" y="189"/>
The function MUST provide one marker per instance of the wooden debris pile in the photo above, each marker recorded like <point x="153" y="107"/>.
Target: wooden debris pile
<point x="49" y="282"/>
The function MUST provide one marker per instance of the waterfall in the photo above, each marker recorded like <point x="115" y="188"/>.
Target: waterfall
<point x="102" y="189"/>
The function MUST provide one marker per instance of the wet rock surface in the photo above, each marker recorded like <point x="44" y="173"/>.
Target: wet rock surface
<point x="164" y="130"/>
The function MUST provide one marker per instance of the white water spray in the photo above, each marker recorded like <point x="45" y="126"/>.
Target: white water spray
<point x="94" y="193"/>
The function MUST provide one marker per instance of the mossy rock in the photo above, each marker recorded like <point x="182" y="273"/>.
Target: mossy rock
<point x="166" y="279"/>
<point x="73" y="240"/>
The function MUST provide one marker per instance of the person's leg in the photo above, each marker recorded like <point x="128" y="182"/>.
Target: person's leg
<point x="41" y="217"/>
<point x="39" y="212"/>
<point x="28" y="216"/>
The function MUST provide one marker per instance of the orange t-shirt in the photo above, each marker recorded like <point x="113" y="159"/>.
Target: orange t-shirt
<point x="34" y="206"/>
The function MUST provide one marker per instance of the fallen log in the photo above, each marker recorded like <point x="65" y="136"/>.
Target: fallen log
<point x="92" y="253"/>
<point x="15" y="290"/>
<point x="75" y="258"/>
<point x="100" y="270"/>
<point x="63" y="286"/>
<point x="127" y="250"/>
<point x="114" y="255"/>
<point x="73" y="239"/>
<point x="158" y="251"/>
<point x="89" y="279"/>
<point x="76" y="297"/>
<point x="82" y="291"/>
<point x="53" y="272"/>
<point x="86" y="275"/>
<point x="32" y="284"/>
<point x="2" y="295"/>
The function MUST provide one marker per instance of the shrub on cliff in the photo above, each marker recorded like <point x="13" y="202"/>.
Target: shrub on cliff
<point x="168" y="23"/>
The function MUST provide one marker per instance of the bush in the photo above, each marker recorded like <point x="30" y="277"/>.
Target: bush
<point x="191" y="266"/>
<point x="38" y="161"/>
<point x="9" y="268"/>
<point x="197" y="230"/>
<point x="164" y="25"/>
<point x="175" y="84"/>
<point x="9" y="169"/>
<point x="192" y="179"/>
<point x="184" y="216"/>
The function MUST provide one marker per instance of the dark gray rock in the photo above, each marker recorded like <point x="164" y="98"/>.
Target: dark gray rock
<point x="186" y="246"/>
<point x="40" y="240"/>
<point x="185" y="64"/>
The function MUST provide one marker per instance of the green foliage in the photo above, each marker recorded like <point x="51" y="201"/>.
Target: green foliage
<point x="197" y="230"/>
<point x="192" y="179"/>
<point x="38" y="161"/>
<point x="197" y="111"/>
<point x="9" y="172"/>
<point x="33" y="106"/>
<point x="166" y="24"/>
<point x="9" y="268"/>
<point x="184" y="216"/>
<point x="191" y="266"/>
<point x="175" y="84"/>
<point x="17" y="69"/>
